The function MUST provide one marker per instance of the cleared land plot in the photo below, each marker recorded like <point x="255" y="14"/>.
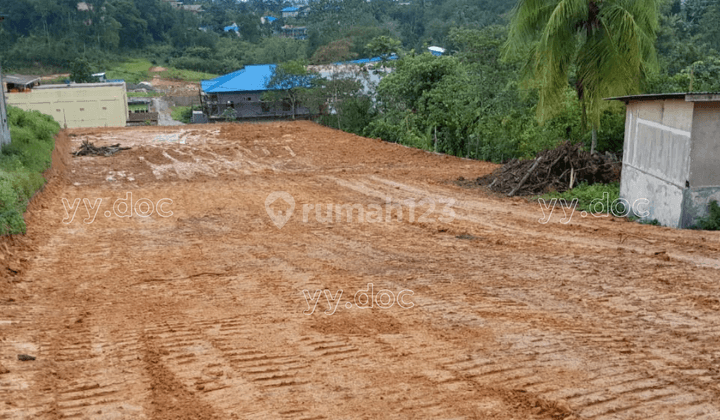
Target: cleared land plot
<point x="200" y="314"/>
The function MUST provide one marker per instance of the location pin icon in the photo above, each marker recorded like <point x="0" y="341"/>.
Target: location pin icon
<point x="279" y="218"/>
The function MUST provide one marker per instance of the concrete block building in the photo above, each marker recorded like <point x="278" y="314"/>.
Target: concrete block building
<point x="671" y="155"/>
<point x="77" y="105"/>
<point x="242" y="92"/>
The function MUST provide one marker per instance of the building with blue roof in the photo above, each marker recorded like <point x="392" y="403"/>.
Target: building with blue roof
<point x="243" y="91"/>
<point x="391" y="57"/>
<point x="232" y="27"/>
<point x="436" y="51"/>
<point x="290" y="12"/>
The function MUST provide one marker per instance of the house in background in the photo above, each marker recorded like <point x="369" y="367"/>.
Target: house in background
<point x="295" y="32"/>
<point x="19" y="83"/>
<point x="242" y="92"/>
<point x="671" y="156"/>
<point x="436" y="51"/>
<point x="290" y="12"/>
<point x="233" y="28"/>
<point x="267" y="19"/>
<point x="195" y="8"/>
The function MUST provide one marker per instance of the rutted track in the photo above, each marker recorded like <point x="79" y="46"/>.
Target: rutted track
<point x="200" y="314"/>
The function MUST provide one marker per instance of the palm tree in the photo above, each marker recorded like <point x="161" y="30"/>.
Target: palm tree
<point x="609" y="45"/>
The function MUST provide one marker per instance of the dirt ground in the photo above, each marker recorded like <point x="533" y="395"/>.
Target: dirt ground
<point x="200" y="309"/>
<point x="173" y="87"/>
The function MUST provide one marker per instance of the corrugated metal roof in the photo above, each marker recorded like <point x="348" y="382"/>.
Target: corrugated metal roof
<point x="232" y="27"/>
<point x="367" y="60"/>
<point x="688" y="96"/>
<point x="250" y="78"/>
<point x="290" y="9"/>
<point x="19" y="79"/>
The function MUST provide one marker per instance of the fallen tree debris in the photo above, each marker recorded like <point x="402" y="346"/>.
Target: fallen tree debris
<point x="89" y="149"/>
<point x="557" y="169"/>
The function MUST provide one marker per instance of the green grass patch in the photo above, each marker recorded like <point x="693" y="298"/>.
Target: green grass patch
<point x="181" y="113"/>
<point x="132" y="71"/>
<point x="186" y="75"/>
<point x="22" y="163"/>
<point x="587" y="195"/>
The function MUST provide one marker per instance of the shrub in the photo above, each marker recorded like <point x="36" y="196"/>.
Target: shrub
<point x="181" y="113"/>
<point x="586" y="194"/>
<point x="712" y="220"/>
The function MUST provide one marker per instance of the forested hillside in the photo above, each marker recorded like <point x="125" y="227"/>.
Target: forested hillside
<point x="53" y="33"/>
<point x="475" y="101"/>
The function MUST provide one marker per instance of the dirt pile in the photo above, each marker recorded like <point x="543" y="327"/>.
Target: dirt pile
<point x="89" y="149"/>
<point x="557" y="169"/>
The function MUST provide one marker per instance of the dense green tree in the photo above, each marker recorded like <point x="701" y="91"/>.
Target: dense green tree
<point x="289" y="80"/>
<point x="81" y="72"/>
<point x="710" y="26"/>
<point x="609" y="45"/>
<point x="333" y="52"/>
<point x="383" y="47"/>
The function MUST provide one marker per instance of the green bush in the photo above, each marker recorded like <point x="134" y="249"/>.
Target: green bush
<point x="586" y="194"/>
<point x="712" y="220"/>
<point x="181" y="113"/>
<point x="22" y="163"/>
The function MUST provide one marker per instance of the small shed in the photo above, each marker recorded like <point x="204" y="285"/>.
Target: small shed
<point x="20" y="83"/>
<point x="671" y="156"/>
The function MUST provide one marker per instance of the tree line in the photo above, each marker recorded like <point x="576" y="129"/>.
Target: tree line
<point x="511" y="90"/>
<point x="488" y="97"/>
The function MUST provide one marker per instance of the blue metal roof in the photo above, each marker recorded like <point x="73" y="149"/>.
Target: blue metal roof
<point x="232" y="27"/>
<point x="270" y="18"/>
<point x="250" y="78"/>
<point x="368" y="60"/>
<point x="290" y="9"/>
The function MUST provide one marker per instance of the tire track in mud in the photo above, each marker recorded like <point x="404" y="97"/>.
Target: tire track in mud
<point x="639" y="396"/>
<point x="201" y="315"/>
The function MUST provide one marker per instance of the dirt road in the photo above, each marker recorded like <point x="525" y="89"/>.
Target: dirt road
<point x="204" y="308"/>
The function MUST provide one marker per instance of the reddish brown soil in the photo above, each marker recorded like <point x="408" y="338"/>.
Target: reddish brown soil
<point x="199" y="315"/>
<point x="172" y="87"/>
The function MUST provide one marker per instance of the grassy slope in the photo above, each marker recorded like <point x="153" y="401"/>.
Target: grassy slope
<point x="22" y="163"/>
<point x="136" y="70"/>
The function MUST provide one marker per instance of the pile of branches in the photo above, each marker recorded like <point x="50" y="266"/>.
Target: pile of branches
<point x="89" y="149"/>
<point x="557" y="169"/>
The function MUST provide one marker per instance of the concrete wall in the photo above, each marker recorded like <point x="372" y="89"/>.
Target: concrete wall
<point x="183" y="100"/>
<point x="4" y="129"/>
<point x="705" y="153"/>
<point x="656" y="159"/>
<point x="77" y="105"/>
<point x="199" y="118"/>
<point x="696" y="204"/>
<point x="250" y="105"/>
<point x="672" y="158"/>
